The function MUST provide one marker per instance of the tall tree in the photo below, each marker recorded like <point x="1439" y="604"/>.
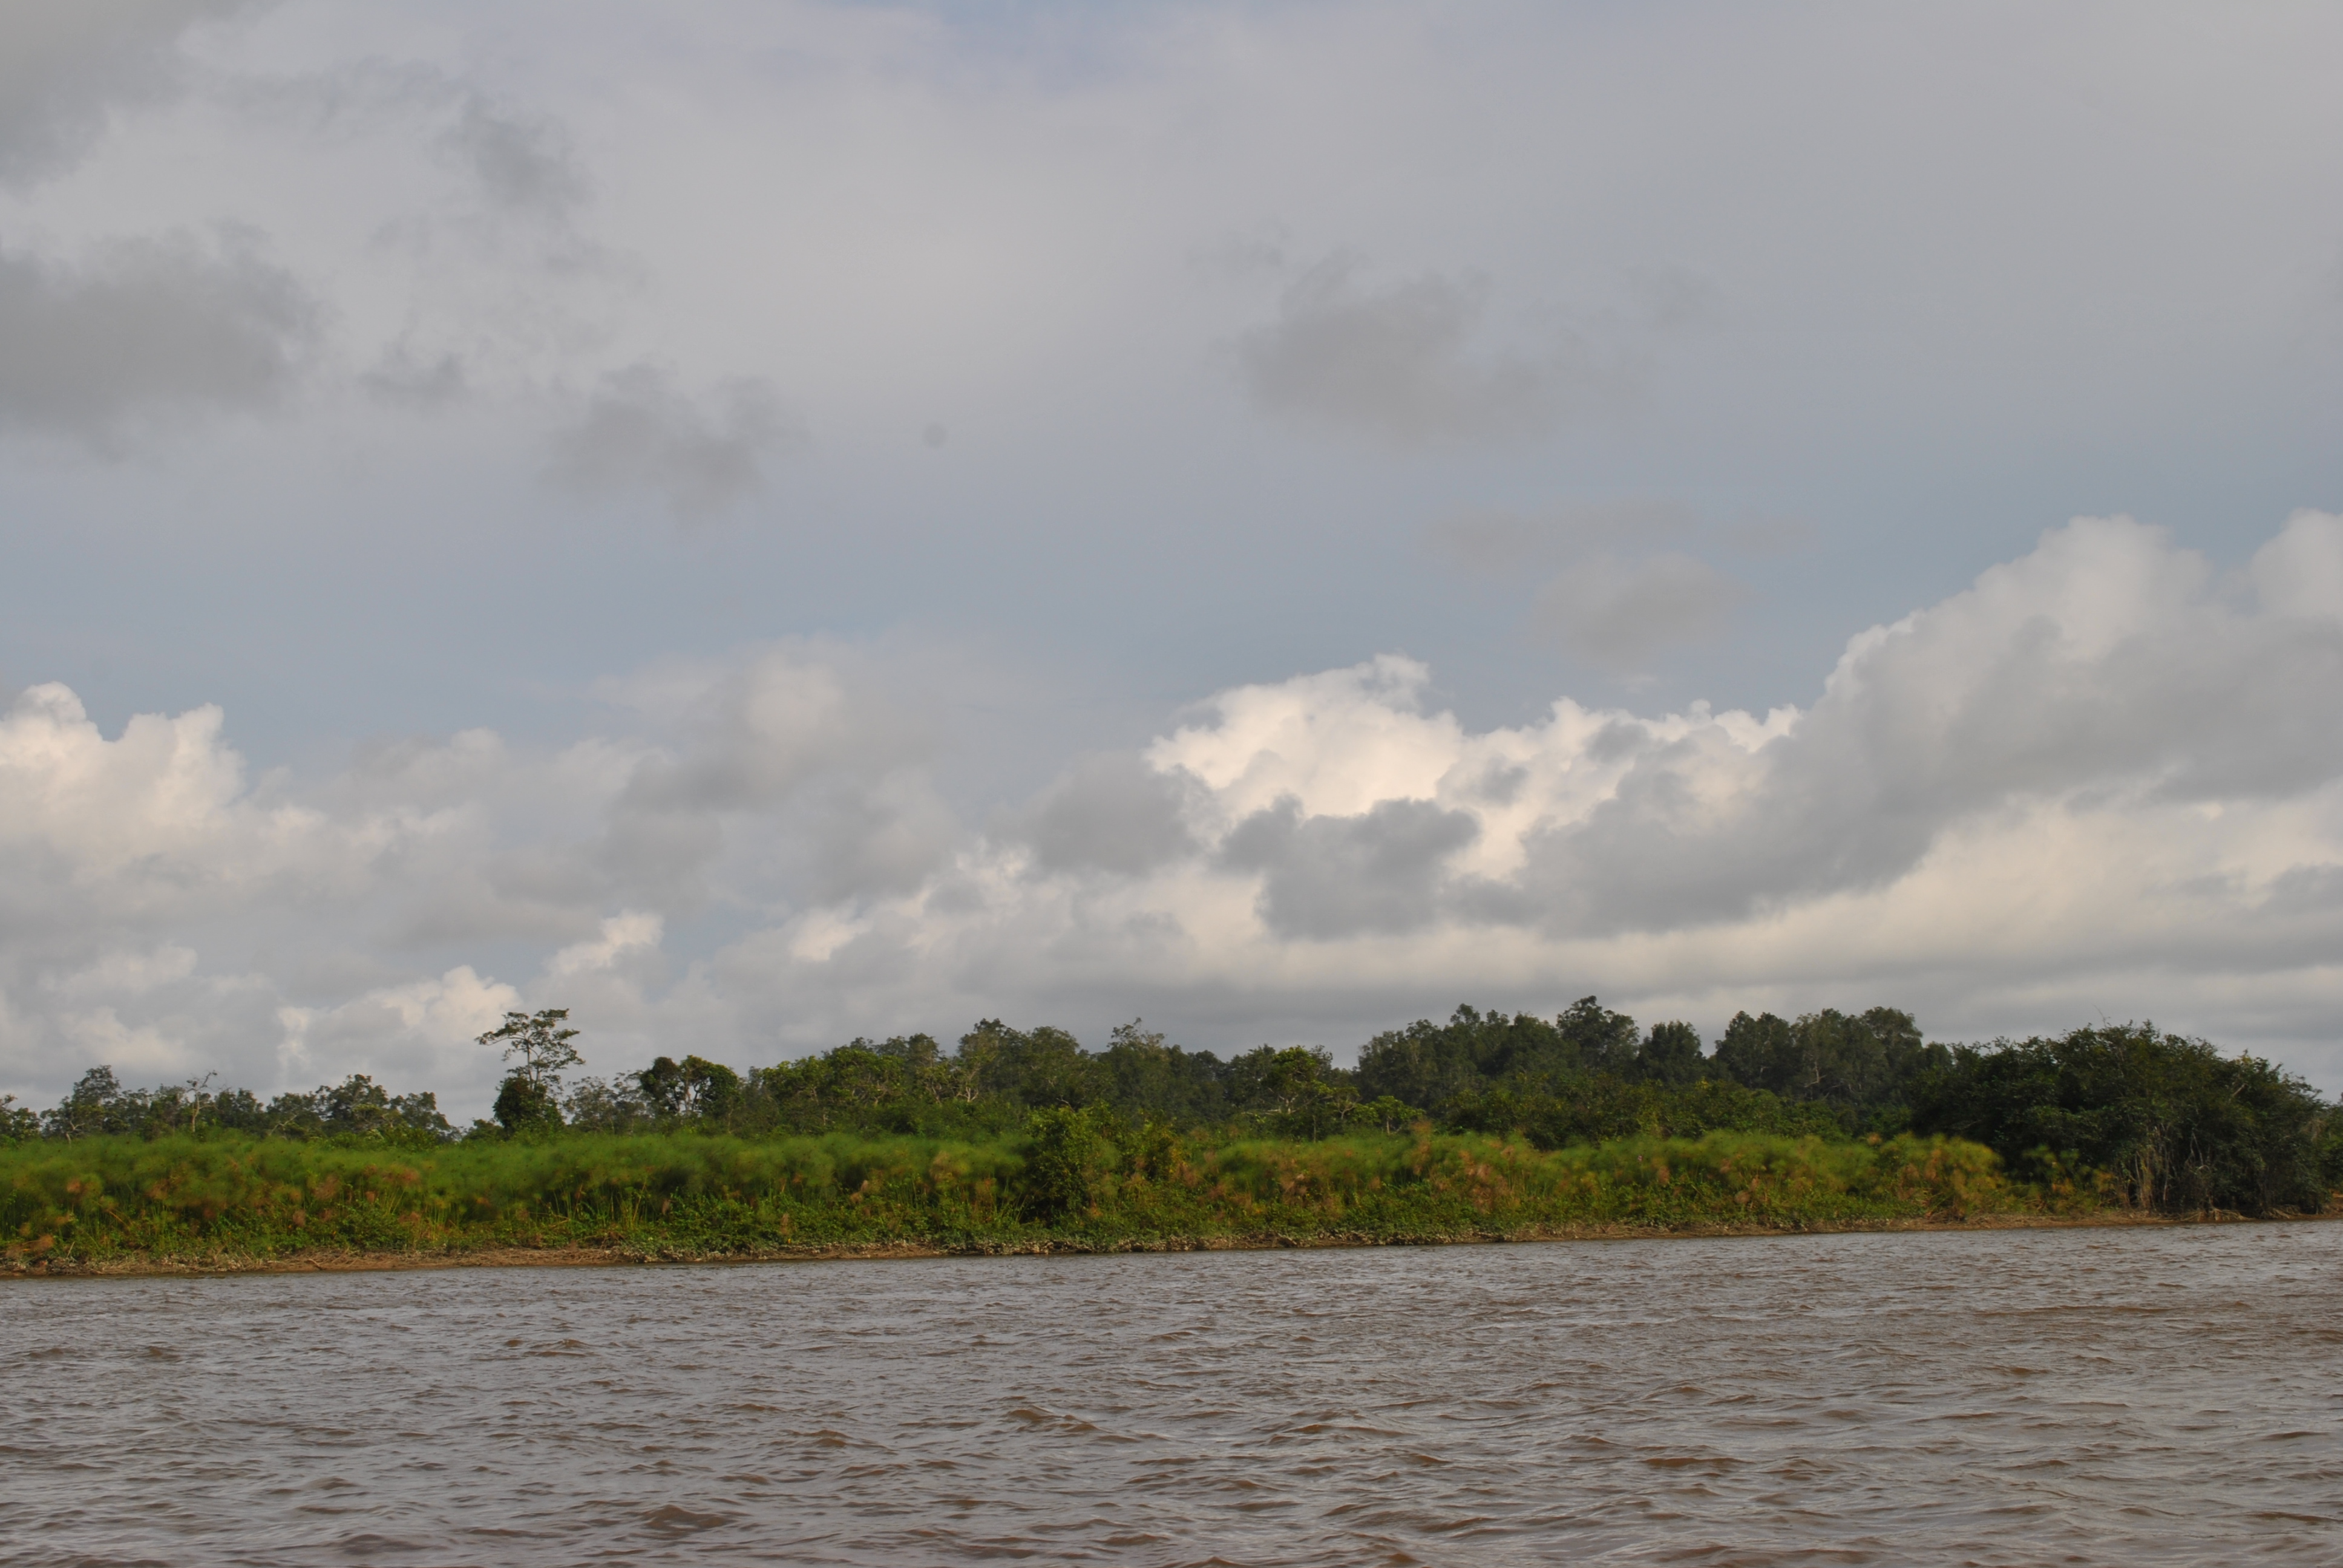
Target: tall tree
<point x="530" y="1094"/>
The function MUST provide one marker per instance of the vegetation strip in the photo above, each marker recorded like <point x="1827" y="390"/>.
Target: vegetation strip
<point x="1487" y="1127"/>
<point x="1065" y="1186"/>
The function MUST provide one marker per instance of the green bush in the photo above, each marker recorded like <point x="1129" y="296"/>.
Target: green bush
<point x="1074" y="1178"/>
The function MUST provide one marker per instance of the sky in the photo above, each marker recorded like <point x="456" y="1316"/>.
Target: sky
<point x="762" y="524"/>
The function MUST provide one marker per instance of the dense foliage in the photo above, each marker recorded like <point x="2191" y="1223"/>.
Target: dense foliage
<point x="1027" y="1127"/>
<point x="1077" y="1178"/>
<point x="98" y="1106"/>
<point x="2169" y="1123"/>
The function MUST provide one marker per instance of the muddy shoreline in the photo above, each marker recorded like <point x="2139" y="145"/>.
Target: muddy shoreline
<point x="512" y="1257"/>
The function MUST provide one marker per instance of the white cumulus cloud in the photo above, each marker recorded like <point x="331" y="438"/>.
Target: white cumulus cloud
<point x="2104" y="779"/>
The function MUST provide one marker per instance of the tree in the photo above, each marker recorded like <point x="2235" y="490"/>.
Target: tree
<point x="694" y="1089"/>
<point x="17" y="1122"/>
<point x="1601" y="1039"/>
<point x="541" y="1043"/>
<point x="1433" y="1066"/>
<point x="1144" y="1072"/>
<point x="1042" y="1066"/>
<point x="1763" y="1054"/>
<point x="1671" y="1054"/>
<point x="1870" y="1062"/>
<point x="530" y="1094"/>
<point x="1298" y="1086"/>
<point x="595" y="1106"/>
<point x="2168" y="1121"/>
<point x="96" y="1104"/>
<point x="522" y="1101"/>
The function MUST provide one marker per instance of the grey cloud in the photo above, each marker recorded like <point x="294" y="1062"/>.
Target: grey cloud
<point x="880" y="837"/>
<point x="1330" y="877"/>
<point x="1241" y="257"/>
<point x="1609" y="602"/>
<point x="1500" y="784"/>
<point x="788" y="775"/>
<point x="144" y="331"/>
<point x="525" y="165"/>
<point x="1401" y="363"/>
<point x="646" y="854"/>
<point x="756" y="733"/>
<point x="354" y="97"/>
<point x="523" y="162"/>
<point x="403" y="380"/>
<point x="1505" y="541"/>
<point x="701" y="456"/>
<point x="65" y="66"/>
<point x="2005" y="693"/>
<point x="793" y="753"/>
<point x="1621" y="613"/>
<point x="1110" y="812"/>
<point x="1671" y="297"/>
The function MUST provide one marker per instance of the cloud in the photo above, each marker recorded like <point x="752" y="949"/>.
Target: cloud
<point x="414" y="1035"/>
<point x="65" y="66"/>
<point x="1402" y="363"/>
<point x="145" y="333"/>
<point x="700" y="455"/>
<point x="1331" y="876"/>
<point x="524" y="164"/>
<point x="1621" y="613"/>
<point x="1502" y="542"/>
<point x="404" y="380"/>
<point x="1672" y="297"/>
<point x="881" y="836"/>
<point x="1606" y="603"/>
<point x="622" y="935"/>
<point x="2101" y="780"/>
<point x="2102" y="671"/>
<point x="2104" y="777"/>
<point x="1110" y="812"/>
<point x="139" y="874"/>
<point x="751" y="732"/>
<point x="801" y="743"/>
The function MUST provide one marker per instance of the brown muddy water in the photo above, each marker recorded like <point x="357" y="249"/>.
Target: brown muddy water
<point x="2122" y="1396"/>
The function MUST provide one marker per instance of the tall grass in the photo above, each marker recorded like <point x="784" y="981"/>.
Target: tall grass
<point x="685" y="1194"/>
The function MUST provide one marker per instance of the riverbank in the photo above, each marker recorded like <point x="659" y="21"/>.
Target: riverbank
<point x="577" y="1257"/>
<point x="228" y="1204"/>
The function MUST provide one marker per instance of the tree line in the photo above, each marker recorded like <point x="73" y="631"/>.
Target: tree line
<point x="2143" y="1117"/>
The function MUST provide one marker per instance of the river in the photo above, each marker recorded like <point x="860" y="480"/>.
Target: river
<point x="2106" y="1396"/>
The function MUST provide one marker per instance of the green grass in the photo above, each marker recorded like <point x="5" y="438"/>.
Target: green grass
<point x="226" y="1199"/>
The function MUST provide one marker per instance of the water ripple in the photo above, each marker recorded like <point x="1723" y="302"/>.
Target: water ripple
<point x="2134" y="1396"/>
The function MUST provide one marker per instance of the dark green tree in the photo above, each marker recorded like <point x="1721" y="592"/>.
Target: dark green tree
<point x="1866" y="1063"/>
<point x="531" y="1095"/>
<point x="1044" y="1066"/>
<point x="1297" y="1088"/>
<point x="1142" y="1073"/>
<point x="1670" y="1054"/>
<point x="1599" y="1040"/>
<point x="692" y="1090"/>
<point x="1761" y="1052"/>
<point x="2170" y="1122"/>
<point x="1433" y="1066"/>
<point x="96" y="1104"/>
